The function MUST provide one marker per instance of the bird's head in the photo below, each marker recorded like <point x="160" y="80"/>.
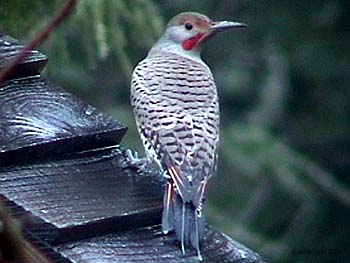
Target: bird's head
<point x="189" y="30"/>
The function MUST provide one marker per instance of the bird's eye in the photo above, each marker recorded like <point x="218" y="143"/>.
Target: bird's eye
<point x="188" y="26"/>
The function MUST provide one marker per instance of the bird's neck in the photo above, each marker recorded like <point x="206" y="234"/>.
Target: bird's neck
<point x="164" y="45"/>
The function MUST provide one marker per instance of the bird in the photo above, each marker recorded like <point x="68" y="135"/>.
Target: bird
<point x="175" y="103"/>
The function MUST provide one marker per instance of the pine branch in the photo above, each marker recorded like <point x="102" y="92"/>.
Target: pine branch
<point x="60" y="17"/>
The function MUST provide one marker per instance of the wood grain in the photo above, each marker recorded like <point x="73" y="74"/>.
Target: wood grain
<point x="83" y="193"/>
<point x="39" y="119"/>
<point x="149" y="245"/>
<point x="30" y="66"/>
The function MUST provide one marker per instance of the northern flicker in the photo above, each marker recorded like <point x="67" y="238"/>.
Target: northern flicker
<point x="175" y="102"/>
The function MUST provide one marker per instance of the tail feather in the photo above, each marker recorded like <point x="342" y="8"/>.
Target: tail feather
<point x="197" y="235"/>
<point x="168" y="210"/>
<point x="185" y="219"/>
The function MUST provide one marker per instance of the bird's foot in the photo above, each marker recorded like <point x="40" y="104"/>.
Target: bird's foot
<point x="133" y="161"/>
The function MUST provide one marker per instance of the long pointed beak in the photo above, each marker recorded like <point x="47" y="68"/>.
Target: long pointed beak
<point x="225" y="25"/>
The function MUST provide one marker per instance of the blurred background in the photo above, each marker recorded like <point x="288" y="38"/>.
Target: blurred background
<point x="283" y="185"/>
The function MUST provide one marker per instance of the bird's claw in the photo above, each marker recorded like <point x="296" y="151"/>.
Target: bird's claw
<point x="133" y="161"/>
<point x="132" y="158"/>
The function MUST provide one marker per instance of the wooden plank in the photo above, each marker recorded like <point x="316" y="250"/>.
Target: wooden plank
<point x="82" y="194"/>
<point x="30" y="66"/>
<point x="14" y="248"/>
<point x="150" y="245"/>
<point x="87" y="208"/>
<point x="40" y="120"/>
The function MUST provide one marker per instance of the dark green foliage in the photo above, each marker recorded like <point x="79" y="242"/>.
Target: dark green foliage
<point x="283" y="184"/>
<point x="18" y="18"/>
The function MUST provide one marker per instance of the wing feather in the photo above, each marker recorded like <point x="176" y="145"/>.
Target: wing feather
<point x="181" y="128"/>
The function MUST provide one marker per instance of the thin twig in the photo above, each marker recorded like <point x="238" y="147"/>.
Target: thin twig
<point x="61" y="16"/>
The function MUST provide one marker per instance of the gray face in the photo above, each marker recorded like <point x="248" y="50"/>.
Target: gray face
<point x="178" y="34"/>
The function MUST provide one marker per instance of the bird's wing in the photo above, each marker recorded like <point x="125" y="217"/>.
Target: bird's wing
<point x="185" y="140"/>
<point x="182" y="152"/>
<point x="187" y="149"/>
